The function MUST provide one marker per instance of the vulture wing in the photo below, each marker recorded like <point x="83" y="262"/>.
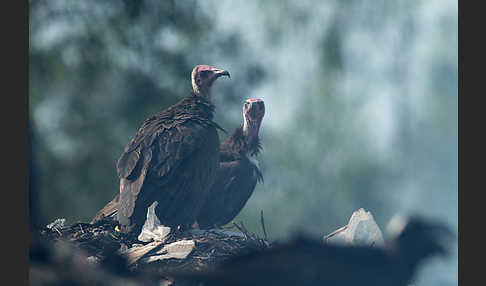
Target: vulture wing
<point x="240" y="178"/>
<point x="233" y="186"/>
<point x="171" y="144"/>
<point x="163" y="143"/>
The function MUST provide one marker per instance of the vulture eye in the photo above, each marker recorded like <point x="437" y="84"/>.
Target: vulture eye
<point x="204" y="73"/>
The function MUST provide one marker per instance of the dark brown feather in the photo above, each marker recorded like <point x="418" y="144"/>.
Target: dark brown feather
<point x="173" y="160"/>
<point x="236" y="179"/>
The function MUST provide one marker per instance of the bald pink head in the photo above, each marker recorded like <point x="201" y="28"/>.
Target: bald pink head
<point x="253" y="112"/>
<point x="203" y="76"/>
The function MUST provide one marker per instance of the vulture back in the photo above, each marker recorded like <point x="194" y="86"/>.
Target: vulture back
<point x="172" y="159"/>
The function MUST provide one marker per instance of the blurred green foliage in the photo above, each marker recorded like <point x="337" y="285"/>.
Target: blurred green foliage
<point x="97" y="69"/>
<point x="361" y="101"/>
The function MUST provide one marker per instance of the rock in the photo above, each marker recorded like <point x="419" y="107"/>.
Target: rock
<point x="360" y="230"/>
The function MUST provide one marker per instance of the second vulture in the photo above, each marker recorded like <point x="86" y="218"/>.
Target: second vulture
<point x="238" y="171"/>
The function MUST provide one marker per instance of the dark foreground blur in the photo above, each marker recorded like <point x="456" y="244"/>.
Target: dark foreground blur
<point x="84" y="254"/>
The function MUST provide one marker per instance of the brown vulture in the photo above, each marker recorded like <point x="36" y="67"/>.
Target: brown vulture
<point x="238" y="171"/>
<point x="305" y="261"/>
<point x="173" y="159"/>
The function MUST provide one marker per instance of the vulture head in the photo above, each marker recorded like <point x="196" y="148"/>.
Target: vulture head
<point x="202" y="78"/>
<point x="253" y="112"/>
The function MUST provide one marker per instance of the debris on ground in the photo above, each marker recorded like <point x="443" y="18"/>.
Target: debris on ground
<point x="361" y="230"/>
<point x="152" y="228"/>
<point x="87" y="254"/>
<point x="177" y="250"/>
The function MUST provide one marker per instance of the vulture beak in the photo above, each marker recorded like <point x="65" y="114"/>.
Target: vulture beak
<point x="203" y="77"/>
<point x="219" y="73"/>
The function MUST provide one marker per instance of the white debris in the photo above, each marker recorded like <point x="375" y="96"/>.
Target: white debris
<point x="58" y="223"/>
<point x="153" y="251"/>
<point x="92" y="259"/>
<point x="134" y="253"/>
<point x="360" y="230"/>
<point x="178" y="250"/>
<point x="152" y="229"/>
<point x="338" y="236"/>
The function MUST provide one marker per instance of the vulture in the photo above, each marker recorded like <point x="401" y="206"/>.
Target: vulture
<point x="305" y="261"/>
<point x="238" y="171"/>
<point x="172" y="159"/>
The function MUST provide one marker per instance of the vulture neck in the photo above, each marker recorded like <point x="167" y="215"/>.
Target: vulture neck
<point x="241" y="143"/>
<point x="193" y="106"/>
<point x="203" y="91"/>
<point x="250" y="129"/>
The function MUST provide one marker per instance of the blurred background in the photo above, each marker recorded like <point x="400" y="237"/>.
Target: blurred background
<point x="361" y="103"/>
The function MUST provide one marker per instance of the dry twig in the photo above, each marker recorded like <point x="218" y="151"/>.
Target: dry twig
<point x="262" y="221"/>
<point x="241" y="230"/>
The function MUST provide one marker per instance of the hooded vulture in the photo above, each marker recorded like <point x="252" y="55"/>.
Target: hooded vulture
<point x="238" y="171"/>
<point x="173" y="159"/>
